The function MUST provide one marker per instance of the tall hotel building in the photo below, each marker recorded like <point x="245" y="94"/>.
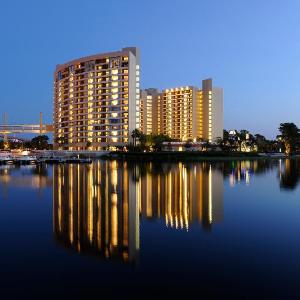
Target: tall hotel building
<point x="96" y="100"/>
<point x="149" y="110"/>
<point x="184" y="113"/>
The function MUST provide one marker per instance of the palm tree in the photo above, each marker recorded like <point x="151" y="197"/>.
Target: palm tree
<point x="135" y="134"/>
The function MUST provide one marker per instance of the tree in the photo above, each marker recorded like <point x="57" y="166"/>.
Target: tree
<point x="40" y="142"/>
<point x="244" y="134"/>
<point x="88" y="144"/>
<point x="262" y="144"/>
<point x="158" y="141"/>
<point x="225" y="136"/>
<point x="290" y="136"/>
<point x="136" y="135"/>
<point x="60" y="141"/>
<point x="143" y="139"/>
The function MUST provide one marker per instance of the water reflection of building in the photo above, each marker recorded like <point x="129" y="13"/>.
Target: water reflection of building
<point x="95" y="209"/>
<point x="183" y="194"/>
<point x="241" y="171"/>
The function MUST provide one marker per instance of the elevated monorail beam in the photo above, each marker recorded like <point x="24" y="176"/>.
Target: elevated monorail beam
<point x="26" y="128"/>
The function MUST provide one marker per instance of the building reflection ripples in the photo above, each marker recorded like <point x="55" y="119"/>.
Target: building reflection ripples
<point x="97" y="208"/>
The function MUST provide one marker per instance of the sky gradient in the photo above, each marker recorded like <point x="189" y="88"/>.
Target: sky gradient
<point x="251" y="48"/>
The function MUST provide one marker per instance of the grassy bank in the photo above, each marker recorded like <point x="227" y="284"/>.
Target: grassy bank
<point x="182" y="156"/>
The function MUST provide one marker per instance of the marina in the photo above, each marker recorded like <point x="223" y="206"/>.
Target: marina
<point x="31" y="159"/>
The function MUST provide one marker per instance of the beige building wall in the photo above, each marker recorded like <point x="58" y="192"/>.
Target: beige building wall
<point x="96" y="100"/>
<point x="217" y="113"/>
<point x="149" y="111"/>
<point x="211" y="102"/>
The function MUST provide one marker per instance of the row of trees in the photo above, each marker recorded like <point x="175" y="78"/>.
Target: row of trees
<point x="40" y="142"/>
<point x="148" y="142"/>
<point x="287" y="141"/>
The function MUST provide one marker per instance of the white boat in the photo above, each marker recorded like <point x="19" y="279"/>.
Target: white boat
<point x="6" y="159"/>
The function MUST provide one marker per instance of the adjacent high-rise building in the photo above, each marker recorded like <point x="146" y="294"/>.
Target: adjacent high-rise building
<point x="177" y="110"/>
<point x="97" y="100"/>
<point x="184" y="113"/>
<point x="149" y="111"/>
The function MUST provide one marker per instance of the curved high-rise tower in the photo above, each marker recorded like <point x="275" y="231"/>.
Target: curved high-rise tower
<point x="96" y="100"/>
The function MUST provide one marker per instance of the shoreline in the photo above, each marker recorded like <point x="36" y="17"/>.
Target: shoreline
<point x="187" y="156"/>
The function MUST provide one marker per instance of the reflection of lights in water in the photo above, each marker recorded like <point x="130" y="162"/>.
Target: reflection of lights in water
<point x="149" y="195"/>
<point x="247" y="177"/>
<point x="280" y="169"/>
<point x="59" y="197"/>
<point x="92" y="218"/>
<point x="90" y="205"/>
<point x="114" y="219"/>
<point x="169" y="199"/>
<point x="185" y="198"/>
<point x="232" y="180"/>
<point x="210" y="195"/>
<point x="71" y="203"/>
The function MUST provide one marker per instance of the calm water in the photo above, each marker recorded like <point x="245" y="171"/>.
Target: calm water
<point x="149" y="229"/>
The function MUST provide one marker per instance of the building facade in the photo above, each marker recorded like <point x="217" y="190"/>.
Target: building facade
<point x="97" y="100"/>
<point x="178" y="113"/>
<point x="184" y="113"/>
<point x="149" y="111"/>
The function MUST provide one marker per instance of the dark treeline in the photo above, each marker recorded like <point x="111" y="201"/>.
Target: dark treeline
<point x="40" y="142"/>
<point x="287" y="141"/>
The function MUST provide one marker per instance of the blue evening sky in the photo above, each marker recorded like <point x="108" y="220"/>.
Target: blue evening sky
<point x="251" y="48"/>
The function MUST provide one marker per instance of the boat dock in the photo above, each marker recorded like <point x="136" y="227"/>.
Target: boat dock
<point x="28" y="159"/>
